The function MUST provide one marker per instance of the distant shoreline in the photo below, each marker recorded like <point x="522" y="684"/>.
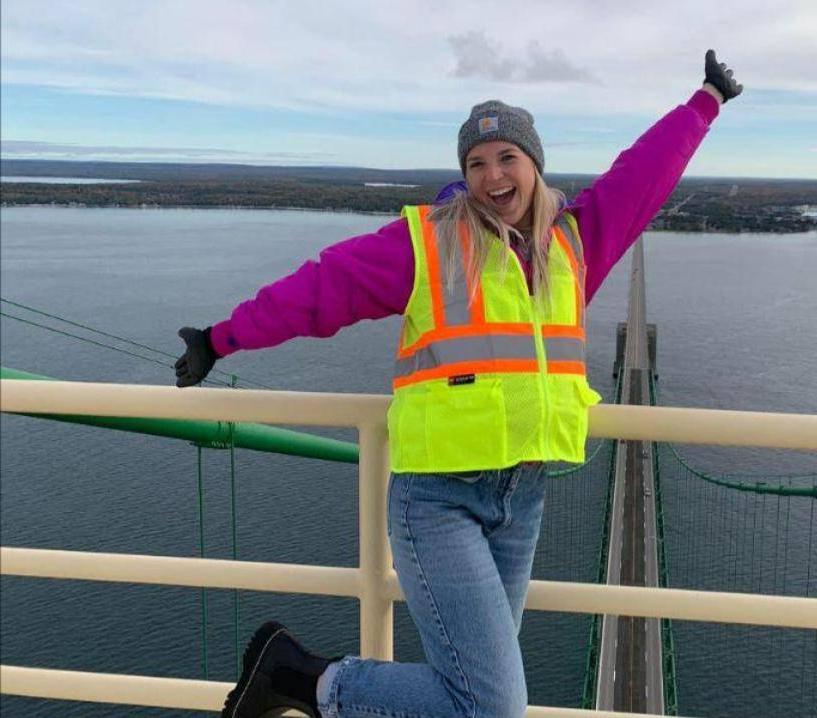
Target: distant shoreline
<point x="724" y="206"/>
<point x="151" y="207"/>
<point x="274" y="208"/>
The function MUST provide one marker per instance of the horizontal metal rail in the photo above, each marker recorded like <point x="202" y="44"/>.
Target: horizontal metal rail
<point x="374" y="582"/>
<point x="209" y="434"/>
<point x="178" y="571"/>
<point x="114" y="688"/>
<point x="561" y="596"/>
<point x="645" y="423"/>
<point x="174" y="692"/>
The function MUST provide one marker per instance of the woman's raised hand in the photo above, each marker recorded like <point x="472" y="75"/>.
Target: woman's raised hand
<point x="720" y="77"/>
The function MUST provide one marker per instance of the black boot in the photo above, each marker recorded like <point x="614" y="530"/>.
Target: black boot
<point x="278" y="674"/>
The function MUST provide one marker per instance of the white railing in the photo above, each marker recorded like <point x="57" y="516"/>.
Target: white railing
<point x="375" y="582"/>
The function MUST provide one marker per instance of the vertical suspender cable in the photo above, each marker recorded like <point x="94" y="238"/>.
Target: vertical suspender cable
<point x="763" y="541"/>
<point x="733" y="541"/>
<point x="786" y="566"/>
<point x="234" y="524"/>
<point x="752" y="557"/>
<point x="803" y="662"/>
<point x="204" y="669"/>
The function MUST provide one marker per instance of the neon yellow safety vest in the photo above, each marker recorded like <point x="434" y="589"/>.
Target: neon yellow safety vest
<point x="496" y="382"/>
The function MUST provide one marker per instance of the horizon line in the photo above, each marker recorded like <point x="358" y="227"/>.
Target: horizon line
<point x="359" y="167"/>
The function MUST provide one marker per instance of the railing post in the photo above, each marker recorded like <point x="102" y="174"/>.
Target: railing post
<point x="376" y="610"/>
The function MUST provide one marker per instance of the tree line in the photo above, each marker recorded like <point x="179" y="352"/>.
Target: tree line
<point x="696" y="204"/>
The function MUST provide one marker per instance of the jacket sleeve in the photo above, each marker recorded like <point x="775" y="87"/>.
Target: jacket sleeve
<point x="366" y="277"/>
<point x="616" y="208"/>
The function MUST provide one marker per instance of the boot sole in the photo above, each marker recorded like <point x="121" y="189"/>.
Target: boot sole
<point x="252" y="659"/>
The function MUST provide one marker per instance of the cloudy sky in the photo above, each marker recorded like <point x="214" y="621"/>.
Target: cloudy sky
<point x="386" y="84"/>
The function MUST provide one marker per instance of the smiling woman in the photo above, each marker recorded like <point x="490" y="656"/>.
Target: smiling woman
<point x="502" y="177"/>
<point x="489" y="387"/>
<point x="501" y="156"/>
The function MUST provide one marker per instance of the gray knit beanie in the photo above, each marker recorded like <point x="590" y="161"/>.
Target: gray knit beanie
<point x="494" y="120"/>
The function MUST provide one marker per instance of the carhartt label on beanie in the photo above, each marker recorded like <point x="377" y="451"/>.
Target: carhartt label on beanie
<point x="488" y="124"/>
<point x="494" y="120"/>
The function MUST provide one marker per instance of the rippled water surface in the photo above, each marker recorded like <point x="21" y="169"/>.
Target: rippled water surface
<point x="737" y="329"/>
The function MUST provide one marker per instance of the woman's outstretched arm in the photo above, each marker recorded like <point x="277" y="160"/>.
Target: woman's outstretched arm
<point x="616" y="208"/>
<point x="365" y="277"/>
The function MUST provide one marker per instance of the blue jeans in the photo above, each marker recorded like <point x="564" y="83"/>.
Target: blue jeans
<point x="463" y="547"/>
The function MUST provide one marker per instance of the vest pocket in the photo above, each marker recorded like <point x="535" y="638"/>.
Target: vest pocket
<point x="570" y="397"/>
<point x="587" y="394"/>
<point x="465" y="425"/>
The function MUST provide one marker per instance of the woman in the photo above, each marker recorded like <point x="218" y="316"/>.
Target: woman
<point x="489" y="385"/>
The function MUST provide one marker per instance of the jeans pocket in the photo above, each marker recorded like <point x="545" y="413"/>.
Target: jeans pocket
<point x="469" y="477"/>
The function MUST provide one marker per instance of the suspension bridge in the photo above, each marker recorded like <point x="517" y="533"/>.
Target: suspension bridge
<point x="635" y="514"/>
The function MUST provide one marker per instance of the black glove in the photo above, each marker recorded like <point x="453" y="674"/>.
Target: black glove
<point x="718" y="75"/>
<point x="198" y="359"/>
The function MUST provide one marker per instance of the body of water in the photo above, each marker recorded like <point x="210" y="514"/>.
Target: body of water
<point x="737" y="329"/>
<point x="388" y="184"/>
<point x="66" y="180"/>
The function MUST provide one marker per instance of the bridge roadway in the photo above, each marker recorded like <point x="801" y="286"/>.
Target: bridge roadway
<point x="630" y="676"/>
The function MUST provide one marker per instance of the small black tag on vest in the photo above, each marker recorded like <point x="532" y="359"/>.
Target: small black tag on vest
<point x="461" y="379"/>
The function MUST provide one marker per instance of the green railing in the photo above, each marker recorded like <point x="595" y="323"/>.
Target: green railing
<point x="222" y="435"/>
<point x="783" y="487"/>
<point x="212" y="434"/>
<point x="265" y="438"/>
<point x="588" y="696"/>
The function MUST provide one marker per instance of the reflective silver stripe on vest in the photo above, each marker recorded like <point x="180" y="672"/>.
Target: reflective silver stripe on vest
<point x="572" y="239"/>
<point x="564" y="349"/>
<point x="455" y="301"/>
<point x="487" y="347"/>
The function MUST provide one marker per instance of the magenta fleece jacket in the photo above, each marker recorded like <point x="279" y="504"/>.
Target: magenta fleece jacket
<point x="371" y="276"/>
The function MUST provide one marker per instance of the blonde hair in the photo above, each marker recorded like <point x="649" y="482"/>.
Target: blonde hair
<point x="477" y="217"/>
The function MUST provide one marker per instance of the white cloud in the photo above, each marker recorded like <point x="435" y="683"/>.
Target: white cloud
<point x="477" y="57"/>
<point x="400" y="56"/>
<point x="554" y="66"/>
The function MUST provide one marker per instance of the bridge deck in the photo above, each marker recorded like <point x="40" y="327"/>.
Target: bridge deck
<point x="630" y="668"/>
